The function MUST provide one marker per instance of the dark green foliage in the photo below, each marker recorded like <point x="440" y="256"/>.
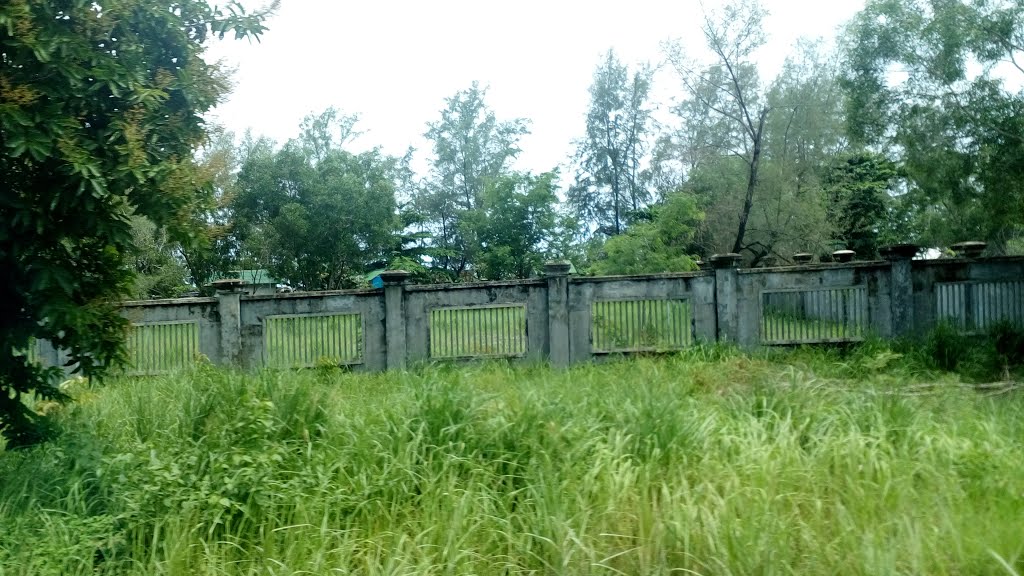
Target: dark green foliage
<point x="313" y="214"/>
<point x="514" y="223"/>
<point x="101" y="107"/>
<point x="948" y="347"/>
<point x="158" y="272"/>
<point x="690" y="462"/>
<point x="858" y="188"/>
<point x="1008" y="343"/>
<point x="663" y="244"/>
<point x="948" y="115"/>
<point x="471" y="148"/>
<point x="979" y="357"/>
<point x="210" y="251"/>
<point x="610" y="187"/>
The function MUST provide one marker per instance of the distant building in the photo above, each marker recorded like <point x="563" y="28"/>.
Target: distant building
<point x="374" y="278"/>
<point x="257" y="282"/>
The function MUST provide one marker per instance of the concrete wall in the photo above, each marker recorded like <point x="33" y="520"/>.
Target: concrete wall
<point x="420" y="300"/>
<point x="203" y="310"/>
<point x="898" y="297"/>
<point x="1003" y="279"/>
<point x="697" y="288"/>
<point x="367" y="303"/>
<point x="752" y="284"/>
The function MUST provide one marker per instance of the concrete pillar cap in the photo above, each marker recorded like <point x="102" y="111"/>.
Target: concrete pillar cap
<point x="227" y="284"/>
<point x="904" y="251"/>
<point x="557" y="268"/>
<point x="727" y="260"/>
<point x="843" y="255"/>
<point x="803" y="257"/>
<point x="969" y="249"/>
<point x="392" y="277"/>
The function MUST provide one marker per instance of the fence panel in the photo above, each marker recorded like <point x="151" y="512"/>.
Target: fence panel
<point x="814" y="316"/>
<point x="640" y="325"/>
<point x="489" y="331"/>
<point x="162" y="347"/>
<point x="303" y="340"/>
<point x="977" y="306"/>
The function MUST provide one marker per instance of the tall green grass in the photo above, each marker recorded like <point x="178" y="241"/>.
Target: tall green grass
<point x="707" y="462"/>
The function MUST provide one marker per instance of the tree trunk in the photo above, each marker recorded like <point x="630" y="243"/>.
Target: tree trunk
<point x="748" y="203"/>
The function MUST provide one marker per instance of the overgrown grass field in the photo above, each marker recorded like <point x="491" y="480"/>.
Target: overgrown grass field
<point x="706" y="462"/>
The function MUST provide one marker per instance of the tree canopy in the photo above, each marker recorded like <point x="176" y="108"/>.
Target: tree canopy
<point x="929" y="83"/>
<point x="315" y="215"/>
<point x="101" y="107"/>
<point x="610" y="187"/>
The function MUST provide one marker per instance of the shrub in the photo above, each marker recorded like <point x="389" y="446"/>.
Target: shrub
<point x="977" y="357"/>
<point x="947" y="347"/>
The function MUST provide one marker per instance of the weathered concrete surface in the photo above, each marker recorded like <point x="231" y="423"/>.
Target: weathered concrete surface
<point x="728" y="308"/>
<point x="557" y="274"/>
<point x="367" y="303"/>
<point x="229" y="308"/>
<point x="205" y="311"/>
<point x="901" y="288"/>
<point x="754" y="283"/>
<point x="420" y="300"/>
<point x="697" y="288"/>
<point x="726" y="304"/>
<point x="928" y="275"/>
<point x="394" y="318"/>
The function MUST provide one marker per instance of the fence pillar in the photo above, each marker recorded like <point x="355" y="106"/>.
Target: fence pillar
<point x="394" y="317"/>
<point x="557" y="274"/>
<point x="50" y="355"/>
<point x="901" y="298"/>
<point x="229" y="309"/>
<point x="726" y="297"/>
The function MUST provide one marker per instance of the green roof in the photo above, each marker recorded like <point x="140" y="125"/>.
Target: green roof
<point x="255" y="276"/>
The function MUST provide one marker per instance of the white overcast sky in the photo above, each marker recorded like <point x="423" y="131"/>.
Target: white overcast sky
<point x="394" y="62"/>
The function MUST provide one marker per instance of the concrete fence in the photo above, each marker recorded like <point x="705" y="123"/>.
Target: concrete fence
<point x="565" y="319"/>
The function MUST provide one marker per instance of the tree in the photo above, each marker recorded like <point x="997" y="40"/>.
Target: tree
<point x="725" y="97"/>
<point x="609" y="187"/>
<point x="802" y="136"/>
<point x="663" y="244"/>
<point x="314" y="215"/>
<point x="158" y="272"/>
<point x="860" y="187"/>
<point x="927" y="86"/>
<point x="754" y="156"/>
<point x="101" y="106"/>
<point x="514" y="225"/>
<point x="209" y="250"/>
<point x="470" y="148"/>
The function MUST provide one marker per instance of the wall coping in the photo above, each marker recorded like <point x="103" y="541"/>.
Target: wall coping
<point x="962" y="260"/>
<point x="812" y="267"/>
<point x="476" y="285"/>
<point x="299" y="295"/>
<point x="636" y="277"/>
<point x="817" y="267"/>
<point x="197" y="301"/>
<point x="730" y="314"/>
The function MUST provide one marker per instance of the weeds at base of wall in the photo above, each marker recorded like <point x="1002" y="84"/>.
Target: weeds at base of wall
<point x="708" y="461"/>
<point x="993" y="355"/>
